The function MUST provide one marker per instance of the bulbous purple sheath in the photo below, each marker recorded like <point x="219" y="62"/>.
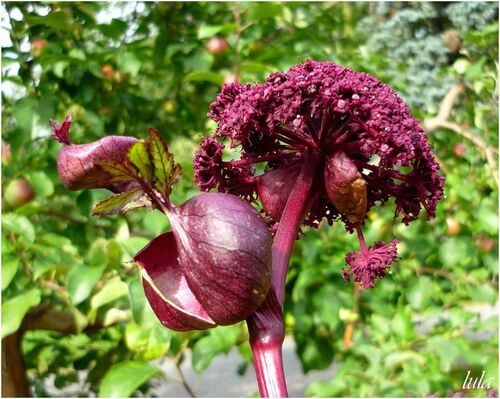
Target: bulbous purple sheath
<point x="78" y="167"/>
<point x="213" y="269"/>
<point x="225" y="253"/>
<point x="78" y="164"/>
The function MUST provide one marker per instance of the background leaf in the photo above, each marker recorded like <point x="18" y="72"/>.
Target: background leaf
<point x="14" y="310"/>
<point x="124" y="378"/>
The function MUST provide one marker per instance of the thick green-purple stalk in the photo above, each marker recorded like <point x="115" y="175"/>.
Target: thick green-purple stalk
<point x="266" y="326"/>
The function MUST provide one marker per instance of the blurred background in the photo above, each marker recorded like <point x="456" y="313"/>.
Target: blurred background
<point x="74" y="318"/>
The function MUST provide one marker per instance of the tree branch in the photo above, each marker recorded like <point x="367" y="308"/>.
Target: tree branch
<point x="44" y="317"/>
<point x="14" y="379"/>
<point x="442" y="121"/>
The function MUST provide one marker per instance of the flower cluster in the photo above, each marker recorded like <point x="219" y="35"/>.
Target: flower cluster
<point x="370" y="263"/>
<point x="355" y="122"/>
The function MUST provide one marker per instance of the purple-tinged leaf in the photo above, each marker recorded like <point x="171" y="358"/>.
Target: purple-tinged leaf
<point x="139" y="156"/>
<point x="119" y="172"/>
<point x="121" y="203"/>
<point x="166" y="171"/>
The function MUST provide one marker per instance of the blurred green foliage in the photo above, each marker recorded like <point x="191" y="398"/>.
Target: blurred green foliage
<point x="120" y="68"/>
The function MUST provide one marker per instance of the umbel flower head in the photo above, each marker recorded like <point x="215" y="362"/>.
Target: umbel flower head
<point x="370" y="146"/>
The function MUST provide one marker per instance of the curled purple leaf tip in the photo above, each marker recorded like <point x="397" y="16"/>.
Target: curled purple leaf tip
<point x="60" y="131"/>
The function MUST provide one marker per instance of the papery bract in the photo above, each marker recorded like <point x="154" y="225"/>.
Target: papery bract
<point x="214" y="267"/>
<point x="274" y="187"/>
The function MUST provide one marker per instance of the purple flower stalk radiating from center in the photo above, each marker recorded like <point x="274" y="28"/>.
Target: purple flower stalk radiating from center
<point x="369" y="146"/>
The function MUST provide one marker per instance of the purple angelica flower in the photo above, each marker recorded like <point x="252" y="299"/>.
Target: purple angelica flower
<point x="370" y="263"/>
<point x="370" y="145"/>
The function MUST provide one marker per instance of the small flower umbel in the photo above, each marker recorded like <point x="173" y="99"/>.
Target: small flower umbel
<point x="342" y="136"/>
<point x="213" y="268"/>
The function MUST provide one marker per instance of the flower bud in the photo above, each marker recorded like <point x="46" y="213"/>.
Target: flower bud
<point x="78" y="165"/>
<point x="345" y="187"/>
<point x="217" y="271"/>
<point x="274" y="188"/>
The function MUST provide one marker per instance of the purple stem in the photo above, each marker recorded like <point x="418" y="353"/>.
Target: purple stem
<point x="267" y="331"/>
<point x="292" y="217"/>
<point x="266" y="327"/>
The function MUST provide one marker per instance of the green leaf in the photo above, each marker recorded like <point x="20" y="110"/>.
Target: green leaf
<point x="402" y="325"/>
<point x="205" y="76"/>
<point x="114" y="254"/>
<point x="19" y="225"/>
<point x="138" y="154"/>
<point x="77" y="54"/>
<point x="24" y="112"/>
<point x="148" y="342"/>
<point x="56" y="21"/>
<point x="60" y="242"/>
<point x="446" y="349"/>
<point x="421" y="293"/>
<point x="119" y="172"/>
<point x="167" y="172"/>
<point x="121" y="203"/>
<point x="260" y="11"/>
<point x="128" y="63"/>
<point x="380" y="325"/>
<point x="206" y="31"/>
<point x="137" y="299"/>
<point x="14" y="310"/>
<point x="124" y="378"/>
<point x="203" y="353"/>
<point x="155" y="222"/>
<point x="110" y="292"/>
<point x="219" y="340"/>
<point x="81" y="280"/>
<point x="399" y="358"/>
<point x="42" y="184"/>
<point x="47" y="259"/>
<point x="97" y="252"/>
<point x="316" y="353"/>
<point x="9" y="270"/>
<point x="133" y="245"/>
